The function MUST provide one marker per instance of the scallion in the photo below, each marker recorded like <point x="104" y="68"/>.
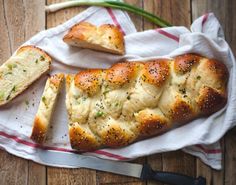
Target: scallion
<point x="112" y="4"/>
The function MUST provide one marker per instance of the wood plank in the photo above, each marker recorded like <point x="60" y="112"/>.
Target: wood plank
<point x="54" y="19"/>
<point x="179" y="162"/>
<point x="58" y="175"/>
<point x="222" y="10"/>
<point x="137" y="20"/>
<point x="5" y="49"/>
<point x="14" y="170"/>
<point x="108" y="178"/>
<point x="37" y="174"/>
<point x="230" y="157"/>
<point x="156" y="163"/>
<point x="176" y="13"/>
<point x="62" y="176"/>
<point x="33" y="25"/>
<point x="18" y="23"/>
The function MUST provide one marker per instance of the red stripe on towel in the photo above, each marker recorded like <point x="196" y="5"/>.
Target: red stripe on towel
<point x="209" y="151"/>
<point x="109" y="10"/>
<point x="35" y="145"/>
<point x="169" y="35"/>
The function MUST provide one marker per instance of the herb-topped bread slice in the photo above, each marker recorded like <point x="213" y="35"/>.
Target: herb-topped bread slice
<point x="46" y="106"/>
<point x="21" y="70"/>
<point x="106" y="38"/>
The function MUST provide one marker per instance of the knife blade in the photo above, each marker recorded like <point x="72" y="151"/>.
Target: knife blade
<point x="144" y="172"/>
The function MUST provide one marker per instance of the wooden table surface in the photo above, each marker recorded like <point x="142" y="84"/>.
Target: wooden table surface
<point x="19" y="20"/>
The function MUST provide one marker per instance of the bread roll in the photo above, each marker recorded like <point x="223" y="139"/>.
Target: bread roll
<point x="107" y="37"/>
<point x="46" y="107"/>
<point x="133" y="101"/>
<point x="21" y="70"/>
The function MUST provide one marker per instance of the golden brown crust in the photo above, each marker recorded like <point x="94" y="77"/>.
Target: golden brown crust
<point x="210" y="100"/>
<point x="56" y="79"/>
<point x="80" y="31"/>
<point x="184" y="63"/>
<point x="176" y="91"/>
<point x="181" y="111"/>
<point x="25" y="51"/>
<point x="89" y="81"/>
<point x="81" y="139"/>
<point x="115" y="136"/>
<point x="217" y="69"/>
<point x="107" y="37"/>
<point x="156" y="72"/>
<point x="120" y="73"/>
<point x="46" y="107"/>
<point x="43" y="53"/>
<point x="39" y="131"/>
<point x="152" y="124"/>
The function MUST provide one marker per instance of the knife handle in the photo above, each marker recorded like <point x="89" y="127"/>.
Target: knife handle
<point x="170" y="178"/>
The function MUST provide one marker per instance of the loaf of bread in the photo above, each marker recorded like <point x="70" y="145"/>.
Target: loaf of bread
<point x="46" y="107"/>
<point x="106" y="38"/>
<point x="135" y="100"/>
<point x="20" y="70"/>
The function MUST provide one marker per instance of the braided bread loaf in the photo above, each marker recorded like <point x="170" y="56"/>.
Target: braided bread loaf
<point x="134" y="100"/>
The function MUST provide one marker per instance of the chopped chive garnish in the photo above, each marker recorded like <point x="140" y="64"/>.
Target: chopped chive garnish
<point x="27" y="102"/>
<point x="8" y="73"/>
<point x="10" y="66"/>
<point x="99" y="114"/>
<point x="44" y="99"/>
<point x="1" y="96"/>
<point x="42" y="58"/>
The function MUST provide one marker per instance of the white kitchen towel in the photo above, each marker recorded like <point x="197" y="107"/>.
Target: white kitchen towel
<point x="205" y="38"/>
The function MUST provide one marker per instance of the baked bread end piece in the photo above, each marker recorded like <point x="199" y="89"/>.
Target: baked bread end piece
<point x="21" y="70"/>
<point x="106" y="38"/>
<point x="46" y="107"/>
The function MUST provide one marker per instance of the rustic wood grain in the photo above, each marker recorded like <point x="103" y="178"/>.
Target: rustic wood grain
<point x="156" y="163"/>
<point x="176" y="13"/>
<point x="180" y="162"/>
<point x="18" y="23"/>
<point x="14" y="170"/>
<point x="54" y="19"/>
<point x="5" y="49"/>
<point x="137" y="20"/>
<point x="225" y="12"/>
<point x="70" y="176"/>
<point x="21" y="19"/>
<point x="230" y="157"/>
<point x="108" y="178"/>
<point x="37" y="174"/>
<point x="58" y="175"/>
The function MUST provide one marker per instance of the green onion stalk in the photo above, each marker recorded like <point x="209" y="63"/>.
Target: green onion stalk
<point x="112" y="4"/>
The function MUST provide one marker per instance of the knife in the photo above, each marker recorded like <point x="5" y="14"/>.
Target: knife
<point x="144" y="172"/>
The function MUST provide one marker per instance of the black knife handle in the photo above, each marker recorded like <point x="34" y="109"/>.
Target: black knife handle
<point x="170" y="178"/>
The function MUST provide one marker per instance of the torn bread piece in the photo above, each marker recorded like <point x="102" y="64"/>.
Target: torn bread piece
<point x="106" y="38"/>
<point x="46" y="106"/>
<point x="21" y="70"/>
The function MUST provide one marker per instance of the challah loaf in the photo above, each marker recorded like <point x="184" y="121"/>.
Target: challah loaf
<point x="46" y="107"/>
<point x="107" y="37"/>
<point x="21" y="70"/>
<point x="135" y="100"/>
